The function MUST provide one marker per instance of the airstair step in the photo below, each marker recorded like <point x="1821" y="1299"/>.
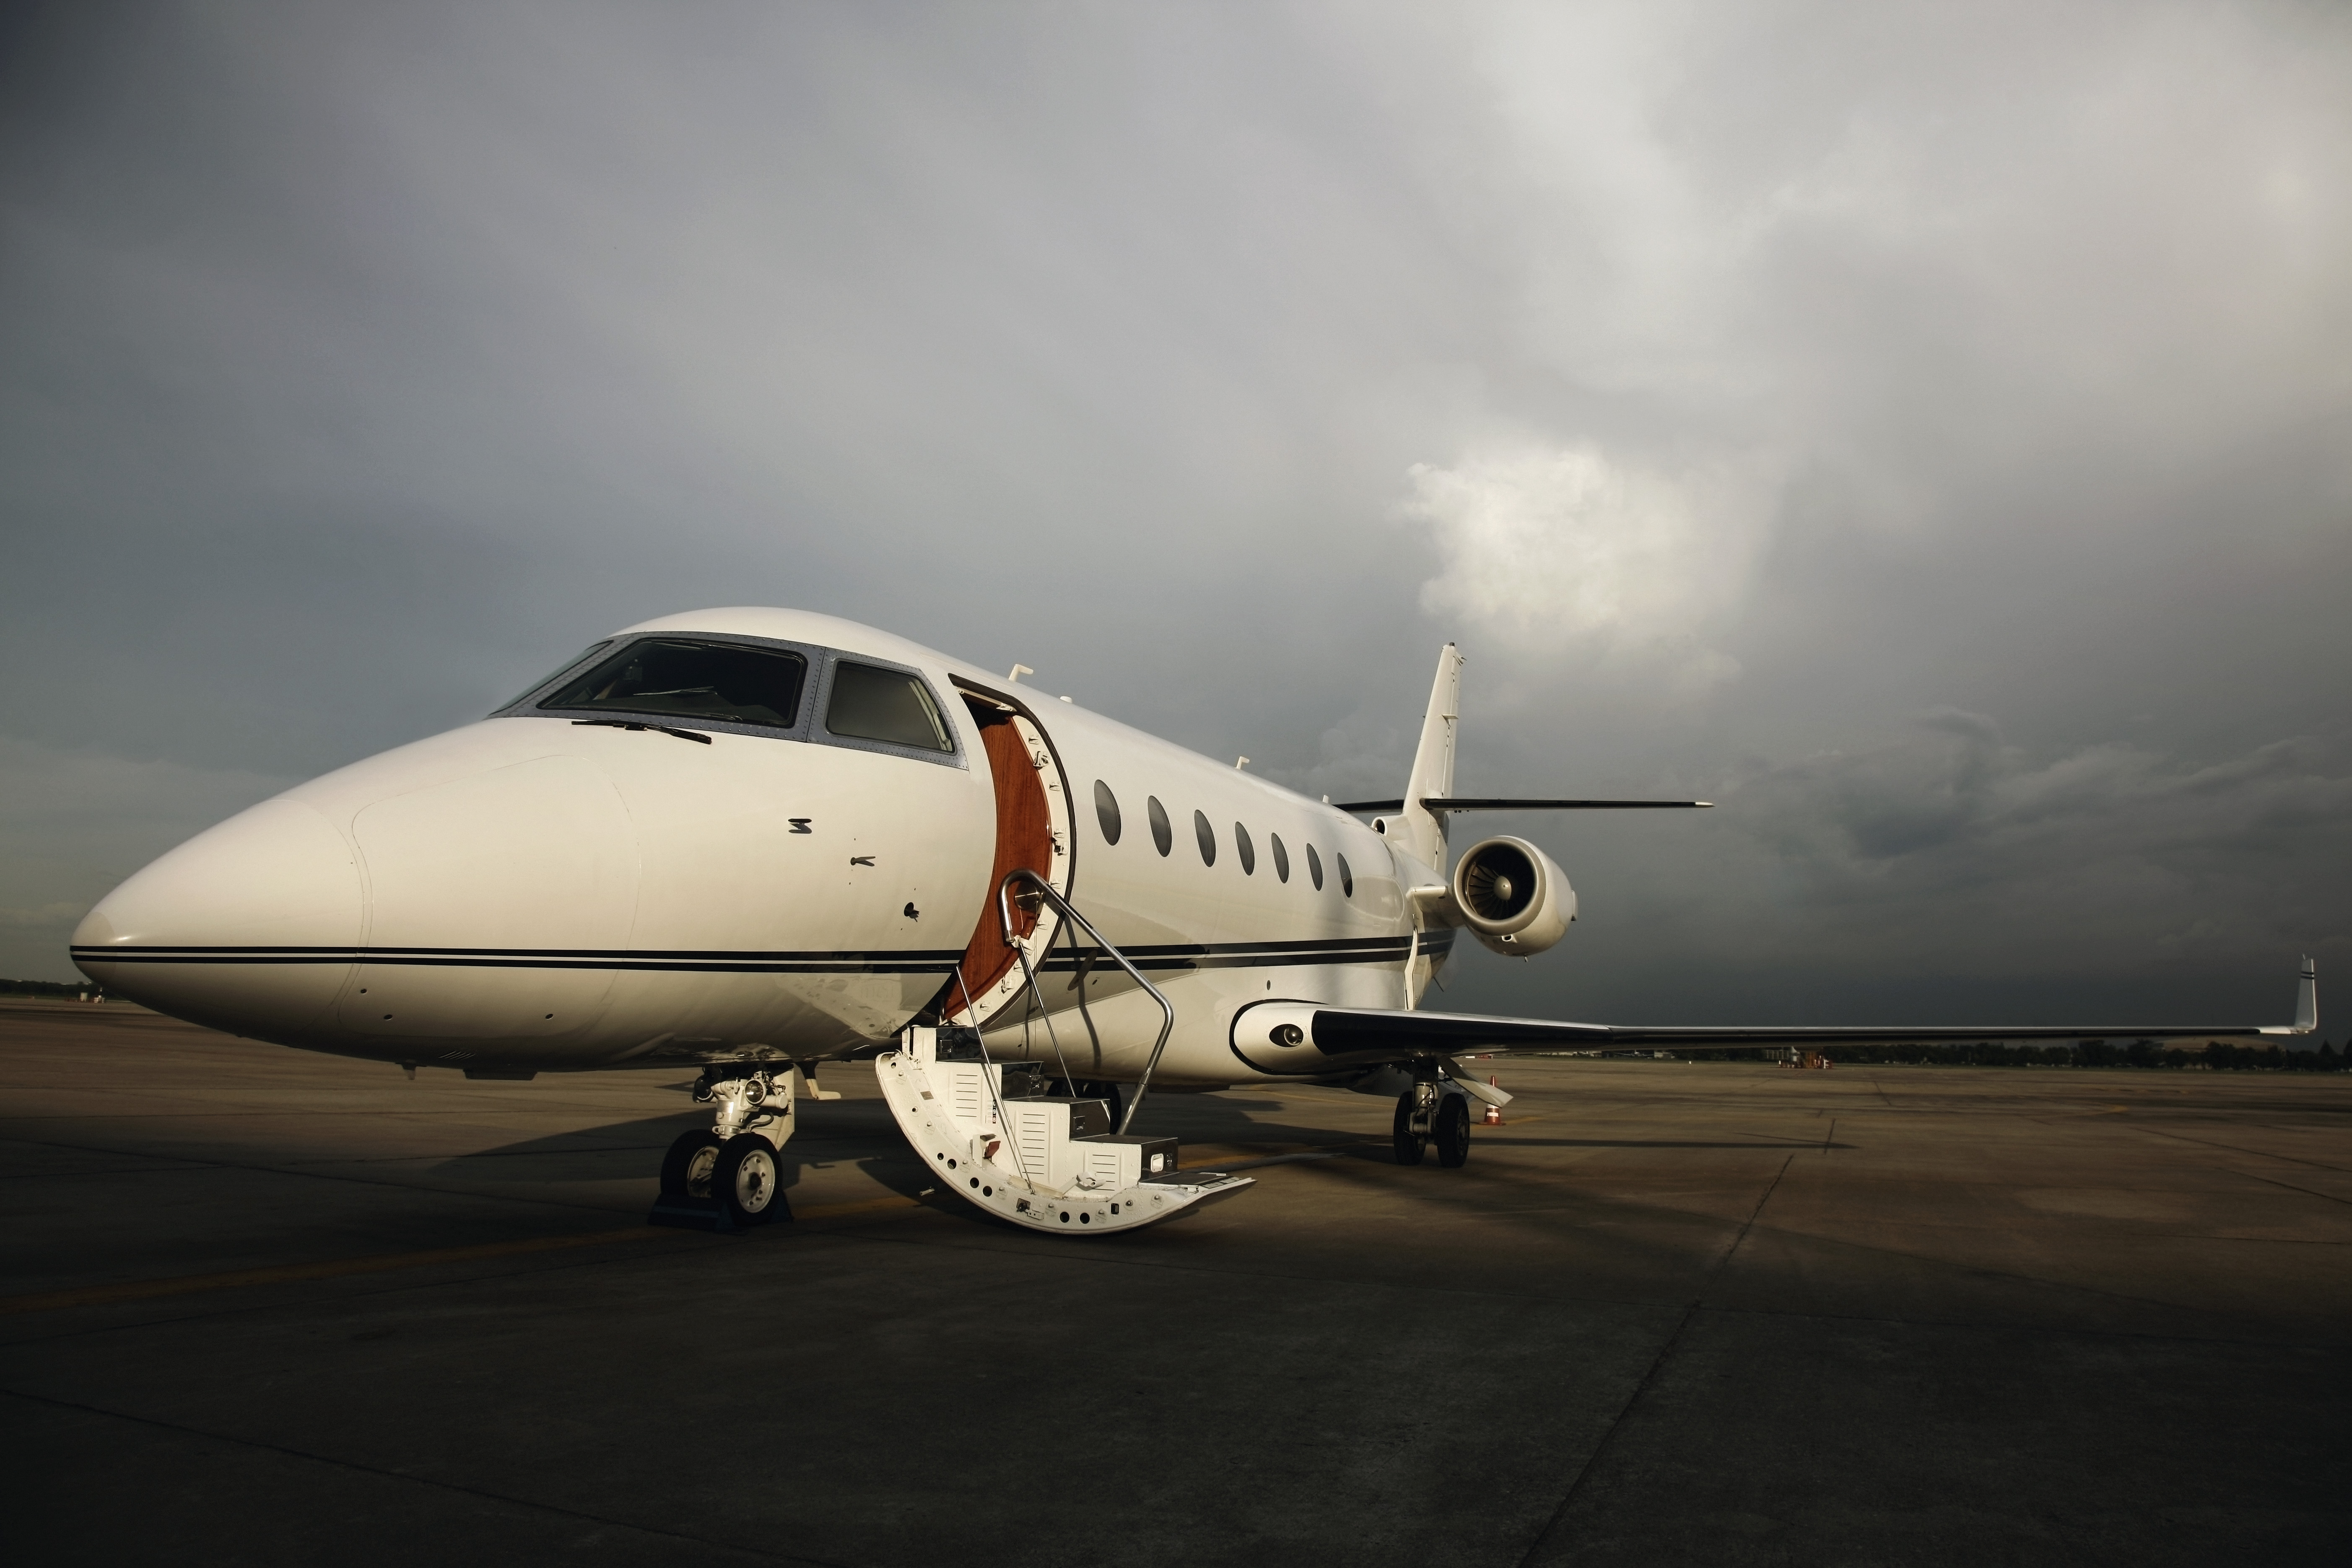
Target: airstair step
<point x="1156" y="1156"/>
<point x="1049" y="1162"/>
<point x="1089" y="1118"/>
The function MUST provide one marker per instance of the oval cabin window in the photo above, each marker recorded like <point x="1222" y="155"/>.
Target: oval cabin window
<point x="1315" y="867"/>
<point x="1346" y="878"/>
<point x="1245" y="850"/>
<point x="1106" y="811"/>
<point x="1207" y="836"/>
<point x="1163" y="836"/>
<point x="1281" y="856"/>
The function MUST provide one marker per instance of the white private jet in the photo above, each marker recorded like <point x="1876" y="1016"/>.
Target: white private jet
<point x="758" y="840"/>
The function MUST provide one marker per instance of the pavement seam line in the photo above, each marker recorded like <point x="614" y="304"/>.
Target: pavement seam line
<point x="2249" y="1153"/>
<point x="357" y="1469"/>
<point x="446" y="1283"/>
<point x="201" y="1162"/>
<point x="847" y="1236"/>
<point x="1146" y="1261"/>
<point x="1097" y="1258"/>
<point x="294" y="1273"/>
<point x="1657" y="1365"/>
<point x="378" y="1263"/>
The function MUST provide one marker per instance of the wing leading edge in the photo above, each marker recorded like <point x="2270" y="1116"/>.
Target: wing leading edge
<point x="1302" y="1037"/>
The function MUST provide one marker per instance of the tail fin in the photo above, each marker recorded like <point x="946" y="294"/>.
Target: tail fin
<point x="1433" y="763"/>
<point x="2306" y="1003"/>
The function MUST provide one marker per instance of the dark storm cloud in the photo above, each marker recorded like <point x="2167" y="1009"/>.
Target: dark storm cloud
<point x="1924" y="432"/>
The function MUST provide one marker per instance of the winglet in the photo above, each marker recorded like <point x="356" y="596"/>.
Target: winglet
<point x="2306" y="1003"/>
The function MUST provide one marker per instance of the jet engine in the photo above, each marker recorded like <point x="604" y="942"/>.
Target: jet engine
<point x="1512" y="897"/>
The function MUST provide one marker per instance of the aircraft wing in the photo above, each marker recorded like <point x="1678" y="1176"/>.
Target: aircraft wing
<point x="1306" y="1037"/>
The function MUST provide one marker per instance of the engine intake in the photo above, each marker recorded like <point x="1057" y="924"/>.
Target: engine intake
<point x="1512" y="897"/>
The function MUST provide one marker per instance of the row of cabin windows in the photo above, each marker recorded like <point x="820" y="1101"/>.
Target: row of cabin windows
<point x="1163" y="839"/>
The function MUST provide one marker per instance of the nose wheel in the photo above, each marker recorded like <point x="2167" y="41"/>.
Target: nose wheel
<point x="745" y="1179"/>
<point x="686" y="1169"/>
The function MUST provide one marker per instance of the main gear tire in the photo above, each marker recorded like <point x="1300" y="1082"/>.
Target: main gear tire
<point x="1453" y="1130"/>
<point x="1409" y="1144"/>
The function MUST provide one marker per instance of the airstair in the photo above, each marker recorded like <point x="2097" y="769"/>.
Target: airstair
<point x="996" y="1134"/>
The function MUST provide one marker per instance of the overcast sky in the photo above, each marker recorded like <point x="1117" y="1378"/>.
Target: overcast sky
<point x="1926" y="431"/>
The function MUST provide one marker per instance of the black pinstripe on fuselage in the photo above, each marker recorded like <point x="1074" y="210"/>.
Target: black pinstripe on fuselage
<point x="1164" y="957"/>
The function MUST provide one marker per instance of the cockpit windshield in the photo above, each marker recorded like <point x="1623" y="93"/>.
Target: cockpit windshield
<point x="721" y="682"/>
<point x="871" y="703"/>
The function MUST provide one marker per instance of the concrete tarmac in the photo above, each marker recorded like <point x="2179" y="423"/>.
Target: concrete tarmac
<point x="262" y="1307"/>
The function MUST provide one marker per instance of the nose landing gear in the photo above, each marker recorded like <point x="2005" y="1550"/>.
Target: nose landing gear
<point x="1432" y="1112"/>
<point x="726" y="1176"/>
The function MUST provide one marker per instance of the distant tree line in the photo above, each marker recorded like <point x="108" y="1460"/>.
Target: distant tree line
<point x="42" y="987"/>
<point x="2219" y="1055"/>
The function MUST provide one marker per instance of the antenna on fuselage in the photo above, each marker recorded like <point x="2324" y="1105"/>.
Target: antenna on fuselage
<point x="1018" y="672"/>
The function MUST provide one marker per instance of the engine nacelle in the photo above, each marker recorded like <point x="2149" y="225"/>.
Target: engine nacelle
<point x="1512" y="897"/>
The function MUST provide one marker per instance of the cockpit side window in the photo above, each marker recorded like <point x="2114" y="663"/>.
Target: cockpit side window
<point x="870" y="703"/>
<point x="674" y="678"/>
<point x="591" y="651"/>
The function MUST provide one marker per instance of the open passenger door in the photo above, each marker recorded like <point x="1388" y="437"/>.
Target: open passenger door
<point x="1033" y="833"/>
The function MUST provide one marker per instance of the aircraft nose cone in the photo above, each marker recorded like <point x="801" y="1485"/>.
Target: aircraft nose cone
<point x="251" y="926"/>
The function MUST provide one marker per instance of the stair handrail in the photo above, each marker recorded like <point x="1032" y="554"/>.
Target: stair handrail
<point x="1069" y="911"/>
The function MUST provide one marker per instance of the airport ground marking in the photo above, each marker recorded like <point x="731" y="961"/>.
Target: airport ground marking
<point x="315" y="1173"/>
<point x="382" y="1474"/>
<point x="295" y="1273"/>
<point x="380" y="1262"/>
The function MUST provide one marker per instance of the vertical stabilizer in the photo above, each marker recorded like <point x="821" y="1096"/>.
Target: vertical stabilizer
<point x="1433" y="763"/>
<point x="2306" y="1003"/>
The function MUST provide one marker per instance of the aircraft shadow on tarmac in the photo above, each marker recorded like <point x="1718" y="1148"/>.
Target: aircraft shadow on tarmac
<point x="1782" y="1144"/>
<point x="860" y="1133"/>
<point x="855" y="1133"/>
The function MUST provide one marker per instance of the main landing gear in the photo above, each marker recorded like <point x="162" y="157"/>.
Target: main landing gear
<point x="729" y="1170"/>
<point x="1432" y="1112"/>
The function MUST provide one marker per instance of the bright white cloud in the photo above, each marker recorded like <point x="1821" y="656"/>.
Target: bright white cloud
<point x="1552" y="550"/>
